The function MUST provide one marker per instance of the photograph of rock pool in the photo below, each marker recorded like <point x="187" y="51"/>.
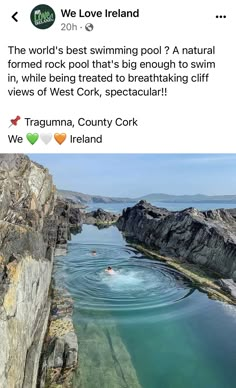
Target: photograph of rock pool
<point x="118" y="270"/>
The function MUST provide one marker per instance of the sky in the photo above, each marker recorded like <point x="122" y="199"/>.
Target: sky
<point x="134" y="175"/>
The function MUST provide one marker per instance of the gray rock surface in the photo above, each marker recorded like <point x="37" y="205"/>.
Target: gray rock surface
<point x="227" y="285"/>
<point x="32" y="224"/>
<point x="27" y="199"/>
<point x="207" y="238"/>
<point x="100" y="217"/>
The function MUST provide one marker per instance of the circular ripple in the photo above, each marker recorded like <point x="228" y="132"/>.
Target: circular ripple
<point x="140" y="286"/>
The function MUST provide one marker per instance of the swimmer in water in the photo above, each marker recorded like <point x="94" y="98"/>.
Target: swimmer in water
<point x="93" y="253"/>
<point x="110" y="271"/>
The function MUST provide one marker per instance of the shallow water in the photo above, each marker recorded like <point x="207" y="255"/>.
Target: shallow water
<point x="147" y="325"/>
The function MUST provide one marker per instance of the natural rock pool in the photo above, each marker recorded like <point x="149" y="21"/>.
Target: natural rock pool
<point x="146" y="326"/>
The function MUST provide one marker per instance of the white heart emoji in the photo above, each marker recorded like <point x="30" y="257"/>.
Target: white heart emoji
<point x="46" y="137"/>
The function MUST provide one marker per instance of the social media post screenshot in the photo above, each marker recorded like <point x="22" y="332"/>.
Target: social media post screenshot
<point x="117" y="195"/>
<point x="110" y="262"/>
<point x="125" y="78"/>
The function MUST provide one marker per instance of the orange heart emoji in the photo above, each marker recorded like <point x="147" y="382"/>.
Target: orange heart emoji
<point x="60" y="137"/>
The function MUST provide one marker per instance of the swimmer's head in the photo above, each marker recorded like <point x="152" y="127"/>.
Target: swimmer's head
<point x="109" y="268"/>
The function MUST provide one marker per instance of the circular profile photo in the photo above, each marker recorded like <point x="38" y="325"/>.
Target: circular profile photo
<point x="42" y="16"/>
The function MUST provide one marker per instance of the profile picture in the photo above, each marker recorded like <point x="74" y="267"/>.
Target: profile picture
<point x="42" y="16"/>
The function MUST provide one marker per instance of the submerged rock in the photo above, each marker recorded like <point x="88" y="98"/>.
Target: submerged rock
<point x="104" y="359"/>
<point x="207" y="238"/>
<point x="60" y="352"/>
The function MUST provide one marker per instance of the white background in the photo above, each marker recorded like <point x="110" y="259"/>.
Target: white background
<point x="192" y="118"/>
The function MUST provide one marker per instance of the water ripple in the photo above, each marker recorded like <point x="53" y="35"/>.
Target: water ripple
<point x="140" y="286"/>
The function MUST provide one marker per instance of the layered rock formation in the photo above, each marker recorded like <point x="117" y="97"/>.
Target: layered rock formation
<point x="31" y="226"/>
<point x="207" y="238"/>
<point x="68" y="219"/>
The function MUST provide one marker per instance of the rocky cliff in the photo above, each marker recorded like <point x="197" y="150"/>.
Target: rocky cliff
<point x="207" y="238"/>
<point x="32" y="224"/>
<point x="100" y="218"/>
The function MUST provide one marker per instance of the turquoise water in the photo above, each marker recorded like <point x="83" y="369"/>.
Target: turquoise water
<point x="146" y="326"/>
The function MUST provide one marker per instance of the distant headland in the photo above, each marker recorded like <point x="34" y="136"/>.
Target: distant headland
<point x="155" y="197"/>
